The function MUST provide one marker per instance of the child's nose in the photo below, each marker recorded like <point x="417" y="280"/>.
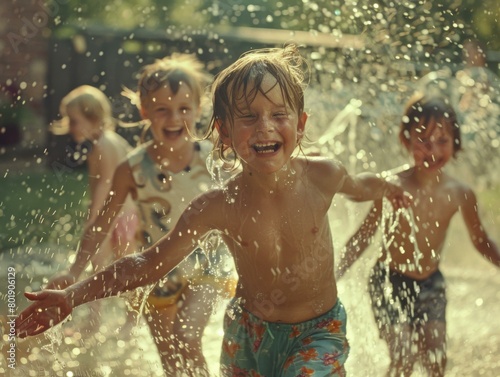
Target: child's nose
<point x="432" y="148"/>
<point x="263" y="125"/>
<point x="176" y="117"/>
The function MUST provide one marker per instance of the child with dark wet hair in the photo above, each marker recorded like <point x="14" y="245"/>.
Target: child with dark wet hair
<point x="285" y="318"/>
<point x="406" y="286"/>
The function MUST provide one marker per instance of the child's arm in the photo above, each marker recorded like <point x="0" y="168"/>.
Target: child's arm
<point x="95" y="232"/>
<point x="358" y="243"/>
<point x="101" y="170"/>
<point x="130" y="272"/>
<point x="481" y="240"/>
<point x="368" y="186"/>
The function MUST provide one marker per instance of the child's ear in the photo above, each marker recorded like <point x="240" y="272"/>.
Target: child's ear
<point x="301" y="125"/>
<point x="144" y="113"/>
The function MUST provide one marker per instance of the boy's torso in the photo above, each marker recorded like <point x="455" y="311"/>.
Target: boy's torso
<point x="283" y="251"/>
<point x="420" y="238"/>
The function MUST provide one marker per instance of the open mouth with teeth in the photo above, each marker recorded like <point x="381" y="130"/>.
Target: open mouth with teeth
<point x="172" y="134"/>
<point x="263" y="148"/>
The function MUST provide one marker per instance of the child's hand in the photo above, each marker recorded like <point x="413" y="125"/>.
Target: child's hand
<point x="50" y="308"/>
<point x="61" y="281"/>
<point x="397" y="196"/>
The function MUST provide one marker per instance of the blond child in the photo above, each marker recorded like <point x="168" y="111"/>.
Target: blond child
<point x="285" y="318"/>
<point x="411" y="318"/>
<point x="162" y="175"/>
<point x="87" y="117"/>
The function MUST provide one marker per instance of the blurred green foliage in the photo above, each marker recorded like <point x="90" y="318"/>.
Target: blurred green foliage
<point x="436" y="22"/>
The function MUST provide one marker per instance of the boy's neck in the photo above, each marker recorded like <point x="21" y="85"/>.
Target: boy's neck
<point x="170" y="158"/>
<point x="271" y="183"/>
<point x="426" y="179"/>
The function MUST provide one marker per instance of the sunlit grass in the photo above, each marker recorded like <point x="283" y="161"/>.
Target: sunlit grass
<point x="42" y="206"/>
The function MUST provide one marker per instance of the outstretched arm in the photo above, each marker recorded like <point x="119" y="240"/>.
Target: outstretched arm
<point x="478" y="235"/>
<point x="359" y="242"/>
<point x="368" y="186"/>
<point x="130" y="272"/>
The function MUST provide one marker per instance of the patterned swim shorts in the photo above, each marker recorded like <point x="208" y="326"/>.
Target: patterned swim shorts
<point x="254" y="347"/>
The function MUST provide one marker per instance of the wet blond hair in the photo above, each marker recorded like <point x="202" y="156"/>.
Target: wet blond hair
<point x="172" y="72"/>
<point x="91" y="102"/>
<point x="243" y="80"/>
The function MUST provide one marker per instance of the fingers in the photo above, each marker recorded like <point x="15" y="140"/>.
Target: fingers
<point x="407" y="199"/>
<point x="49" y="307"/>
<point x="29" y="329"/>
<point x="26" y="320"/>
<point x="38" y="329"/>
<point x="30" y="310"/>
<point x="33" y="326"/>
<point x="401" y="201"/>
<point x="398" y="197"/>
<point x="24" y="324"/>
<point x="36" y="320"/>
<point x="33" y="296"/>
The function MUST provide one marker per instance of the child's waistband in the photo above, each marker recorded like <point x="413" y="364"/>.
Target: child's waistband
<point x="337" y="312"/>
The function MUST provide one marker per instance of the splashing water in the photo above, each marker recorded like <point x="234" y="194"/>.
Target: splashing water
<point x="55" y="337"/>
<point x="215" y="167"/>
<point x="389" y="222"/>
<point x="362" y="89"/>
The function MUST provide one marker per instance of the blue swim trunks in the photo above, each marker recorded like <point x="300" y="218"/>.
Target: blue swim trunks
<point x="398" y="299"/>
<point x="256" y="348"/>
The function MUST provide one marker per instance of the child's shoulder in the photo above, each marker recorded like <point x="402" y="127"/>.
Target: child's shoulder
<point x="211" y="203"/>
<point x="460" y="189"/>
<point x="456" y="190"/>
<point x="103" y="150"/>
<point x="137" y="154"/>
<point x="111" y="142"/>
<point x="325" y="172"/>
<point x="321" y="165"/>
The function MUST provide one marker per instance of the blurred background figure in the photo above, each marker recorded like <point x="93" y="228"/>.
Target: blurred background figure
<point x="478" y="108"/>
<point x="479" y="86"/>
<point x="87" y="118"/>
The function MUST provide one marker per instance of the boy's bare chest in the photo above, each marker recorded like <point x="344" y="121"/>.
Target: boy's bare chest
<point x="428" y="219"/>
<point x="438" y="207"/>
<point x="277" y="224"/>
